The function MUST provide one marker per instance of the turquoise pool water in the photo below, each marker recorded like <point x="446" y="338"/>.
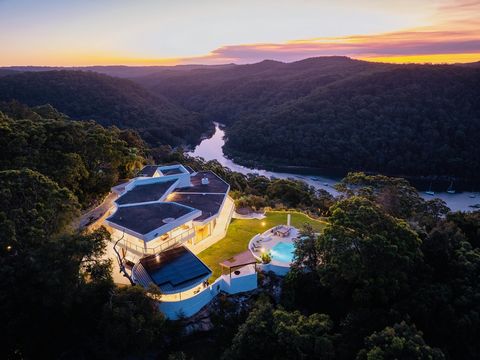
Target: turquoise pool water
<point x="283" y="252"/>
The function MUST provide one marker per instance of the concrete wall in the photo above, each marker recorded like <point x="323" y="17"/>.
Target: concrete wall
<point x="279" y="270"/>
<point x="192" y="305"/>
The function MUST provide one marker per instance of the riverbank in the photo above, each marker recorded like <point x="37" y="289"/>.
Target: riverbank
<point x="212" y="149"/>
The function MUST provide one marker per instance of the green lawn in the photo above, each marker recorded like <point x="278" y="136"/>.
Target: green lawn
<point x="241" y="231"/>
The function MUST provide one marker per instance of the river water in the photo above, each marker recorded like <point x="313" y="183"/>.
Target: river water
<point x="211" y="149"/>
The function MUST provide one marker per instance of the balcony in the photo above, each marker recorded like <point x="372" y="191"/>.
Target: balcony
<point x="156" y="246"/>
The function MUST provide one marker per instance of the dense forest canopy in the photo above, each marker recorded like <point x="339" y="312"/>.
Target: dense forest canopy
<point x="392" y="276"/>
<point x="81" y="156"/>
<point x="339" y="113"/>
<point x="110" y="101"/>
<point x="335" y="113"/>
<point x="410" y="121"/>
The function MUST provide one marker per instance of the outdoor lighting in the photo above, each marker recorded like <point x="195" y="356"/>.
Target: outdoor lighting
<point x="262" y="249"/>
<point x="9" y="247"/>
<point x="263" y="223"/>
<point x="157" y="257"/>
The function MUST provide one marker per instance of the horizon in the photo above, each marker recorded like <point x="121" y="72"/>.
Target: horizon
<point x="159" y="33"/>
<point x="234" y="64"/>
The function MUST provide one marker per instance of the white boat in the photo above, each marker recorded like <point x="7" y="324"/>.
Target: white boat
<point x="430" y="191"/>
<point x="450" y="189"/>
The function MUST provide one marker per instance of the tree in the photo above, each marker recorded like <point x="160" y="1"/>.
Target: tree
<point x="130" y="323"/>
<point x="83" y="157"/>
<point x="402" y="341"/>
<point x="395" y="195"/>
<point x="306" y="256"/>
<point x="367" y="252"/>
<point x="278" y="334"/>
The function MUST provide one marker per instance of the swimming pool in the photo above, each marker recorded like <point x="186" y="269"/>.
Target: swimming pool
<point x="283" y="252"/>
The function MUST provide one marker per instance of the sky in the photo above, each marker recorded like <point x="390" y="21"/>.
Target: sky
<point x="170" y="32"/>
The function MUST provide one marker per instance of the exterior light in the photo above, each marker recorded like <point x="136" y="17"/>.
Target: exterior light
<point x="9" y="247"/>
<point x="264" y="223"/>
<point x="157" y="257"/>
<point x="262" y="249"/>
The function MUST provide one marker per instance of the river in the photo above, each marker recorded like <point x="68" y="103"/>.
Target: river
<point x="212" y="149"/>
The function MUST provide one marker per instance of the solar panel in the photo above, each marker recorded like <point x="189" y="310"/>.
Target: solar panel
<point x="178" y="269"/>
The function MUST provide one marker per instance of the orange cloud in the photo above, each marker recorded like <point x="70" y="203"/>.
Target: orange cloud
<point x="422" y="46"/>
<point x="455" y="37"/>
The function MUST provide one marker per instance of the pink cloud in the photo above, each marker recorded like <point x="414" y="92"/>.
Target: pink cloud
<point x="391" y="44"/>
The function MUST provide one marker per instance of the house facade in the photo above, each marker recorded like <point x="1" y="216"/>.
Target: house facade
<point x="167" y="206"/>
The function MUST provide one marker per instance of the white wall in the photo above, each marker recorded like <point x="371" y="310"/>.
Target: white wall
<point x="279" y="270"/>
<point x="190" y="306"/>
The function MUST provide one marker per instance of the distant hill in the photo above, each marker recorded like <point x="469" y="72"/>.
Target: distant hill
<point x="412" y="120"/>
<point x="120" y="71"/>
<point x="108" y="100"/>
<point x="227" y="94"/>
<point x="336" y="112"/>
<point x="5" y="72"/>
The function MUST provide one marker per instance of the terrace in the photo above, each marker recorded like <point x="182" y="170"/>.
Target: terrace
<point x="241" y="231"/>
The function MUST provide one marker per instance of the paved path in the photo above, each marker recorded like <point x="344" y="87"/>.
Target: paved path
<point x="91" y="216"/>
<point x="252" y="215"/>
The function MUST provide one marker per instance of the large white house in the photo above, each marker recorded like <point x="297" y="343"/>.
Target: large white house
<point x="161" y="220"/>
<point x="166" y="206"/>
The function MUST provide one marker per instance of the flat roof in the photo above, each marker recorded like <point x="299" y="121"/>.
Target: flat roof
<point x="173" y="171"/>
<point x="209" y="204"/>
<point x="215" y="183"/>
<point x="241" y="259"/>
<point x="145" y="193"/>
<point x="148" y="170"/>
<point x="145" y="218"/>
<point x="175" y="269"/>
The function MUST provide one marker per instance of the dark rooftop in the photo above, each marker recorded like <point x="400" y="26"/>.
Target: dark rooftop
<point x="215" y="184"/>
<point x="173" y="171"/>
<point x="145" y="218"/>
<point x="144" y="193"/>
<point x="148" y="170"/>
<point x="175" y="269"/>
<point x="189" y="169"/>
<point x="244" y="258"/>
<point x="209" y="204"/>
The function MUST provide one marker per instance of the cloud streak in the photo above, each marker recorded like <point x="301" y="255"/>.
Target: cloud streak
<point x="395" y="44"/>
<point x="454" y="37"/>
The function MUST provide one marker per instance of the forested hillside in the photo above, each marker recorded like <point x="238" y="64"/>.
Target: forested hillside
<point x="339" y="113"/>
<point x="81" y="156"/>
<point x="409" y="121"/>
<point x="109" y="101"/>
<point x="229" y="94"/>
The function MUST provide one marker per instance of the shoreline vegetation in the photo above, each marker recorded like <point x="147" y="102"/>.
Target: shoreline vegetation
<point x="251" y="161"/>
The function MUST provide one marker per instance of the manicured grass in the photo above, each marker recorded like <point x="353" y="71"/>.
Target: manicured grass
<point x="241" y="231"/>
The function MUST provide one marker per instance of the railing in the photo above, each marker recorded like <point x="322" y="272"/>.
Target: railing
<point x="165" y="244"/>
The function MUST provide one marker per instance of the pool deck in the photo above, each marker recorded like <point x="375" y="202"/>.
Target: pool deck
<point x="267" y="240"/>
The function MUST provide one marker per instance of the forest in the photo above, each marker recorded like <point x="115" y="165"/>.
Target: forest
<point x="86" y="95"/>
<point x="341" y="114"/>
<point x="391" y="277"/>
<point x="333" y="113"/>
<point x="412" y="121"/>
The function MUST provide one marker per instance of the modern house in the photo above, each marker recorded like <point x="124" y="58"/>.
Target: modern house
<point x="166" y="206"/>
<point x="161" y="220"/>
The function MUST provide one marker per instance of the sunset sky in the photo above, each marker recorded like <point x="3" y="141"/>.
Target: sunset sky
<point x="161" y="32"/>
